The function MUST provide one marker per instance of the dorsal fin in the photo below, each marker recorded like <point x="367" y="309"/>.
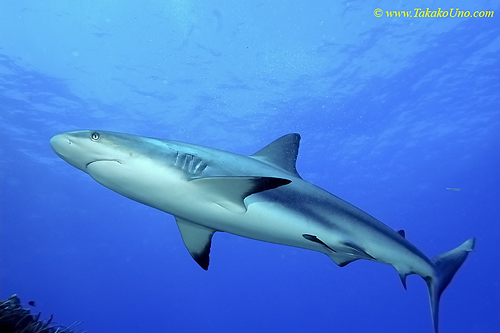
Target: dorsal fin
<point x="402" y="233"/>
<point x="281" y="153"/>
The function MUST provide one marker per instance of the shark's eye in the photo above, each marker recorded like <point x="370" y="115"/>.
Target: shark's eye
<point x="94" y="136"/>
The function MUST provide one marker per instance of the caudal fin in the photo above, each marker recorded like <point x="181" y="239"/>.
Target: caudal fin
<point x="446" y="265"/>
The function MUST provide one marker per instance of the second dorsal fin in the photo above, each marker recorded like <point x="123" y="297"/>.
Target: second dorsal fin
<point x="281" y="153"/>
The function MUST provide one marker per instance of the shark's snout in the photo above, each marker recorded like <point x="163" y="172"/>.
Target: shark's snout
<point x="86" y="149"/>
<point x="68" y="150"/>
<point x="59" y="142"/>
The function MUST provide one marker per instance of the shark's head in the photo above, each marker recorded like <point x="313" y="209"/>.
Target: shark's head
<point x="127" y="164"/>
<point x="81" y="149"/>
<point x="108" y="156"/>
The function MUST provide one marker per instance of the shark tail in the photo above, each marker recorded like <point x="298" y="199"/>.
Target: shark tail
<point x="446" y="265"/>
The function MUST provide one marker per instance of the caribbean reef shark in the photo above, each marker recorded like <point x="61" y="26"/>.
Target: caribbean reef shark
<point x="260" y="196"/>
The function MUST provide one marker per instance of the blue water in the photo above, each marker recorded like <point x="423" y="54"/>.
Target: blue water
<point x="392" y="112"/>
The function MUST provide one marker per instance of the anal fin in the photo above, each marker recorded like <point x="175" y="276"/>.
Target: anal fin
<point x="197" y="239"/>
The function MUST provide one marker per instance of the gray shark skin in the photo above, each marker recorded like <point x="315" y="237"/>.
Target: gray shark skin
<point x="259" y="196"/>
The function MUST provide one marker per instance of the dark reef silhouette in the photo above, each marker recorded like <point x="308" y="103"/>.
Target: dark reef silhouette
<point x="15" y="319"/>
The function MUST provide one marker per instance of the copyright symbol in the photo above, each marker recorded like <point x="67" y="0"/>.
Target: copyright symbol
<point x="378" y="12"/>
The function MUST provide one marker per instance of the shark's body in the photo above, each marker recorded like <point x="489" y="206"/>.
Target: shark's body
<point x="259" y="196"/>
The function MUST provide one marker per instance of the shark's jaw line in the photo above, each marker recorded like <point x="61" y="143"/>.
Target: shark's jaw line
<point x="102" y="160"/>
<point x="259" y="196"/>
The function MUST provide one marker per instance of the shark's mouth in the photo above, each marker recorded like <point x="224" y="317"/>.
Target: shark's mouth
<point x="104" y="160"/>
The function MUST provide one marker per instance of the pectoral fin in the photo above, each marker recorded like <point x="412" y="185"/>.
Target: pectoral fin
<point x="197" y="239"/>
<point x="229" y="192"/>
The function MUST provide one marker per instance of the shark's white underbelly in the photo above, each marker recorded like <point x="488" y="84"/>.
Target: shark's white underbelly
<point x="265" y="220"/>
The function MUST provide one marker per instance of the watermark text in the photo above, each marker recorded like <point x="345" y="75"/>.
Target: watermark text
<point x="427" y="12"/>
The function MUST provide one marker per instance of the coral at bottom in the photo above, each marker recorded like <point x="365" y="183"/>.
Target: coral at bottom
<point x="16" y="319"/>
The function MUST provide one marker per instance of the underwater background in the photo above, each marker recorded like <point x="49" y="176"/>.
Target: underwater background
<point x="399" y="116"/>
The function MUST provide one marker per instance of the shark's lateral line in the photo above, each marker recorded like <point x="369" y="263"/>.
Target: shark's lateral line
<point x="259" y="196"/>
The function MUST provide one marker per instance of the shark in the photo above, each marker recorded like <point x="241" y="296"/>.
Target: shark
<point x="260" y="196"/>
